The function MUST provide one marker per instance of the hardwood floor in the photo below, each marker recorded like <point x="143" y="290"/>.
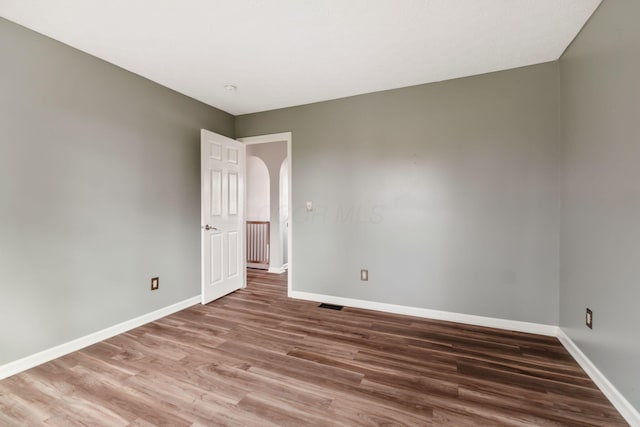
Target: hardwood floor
<point x="257" y="358"/>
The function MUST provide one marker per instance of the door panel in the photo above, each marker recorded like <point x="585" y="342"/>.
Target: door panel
<point x="234" y="261"/>
<point x="216" y="258"/>
<point x="233" y="193"/>
<point x="216" y="151"/>
<point x="216" y="192"/>
<point x="222" y="171"/>
<point x="232" y="156"/>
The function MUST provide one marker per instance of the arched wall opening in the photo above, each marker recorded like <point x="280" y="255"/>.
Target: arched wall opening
<point x="262" y="186"/>
<point x="258" y="190"/>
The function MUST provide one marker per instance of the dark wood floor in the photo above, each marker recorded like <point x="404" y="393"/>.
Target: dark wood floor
<point x="257" y="358"/>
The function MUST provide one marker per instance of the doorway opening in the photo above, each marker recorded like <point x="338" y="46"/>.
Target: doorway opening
<point x="268" y="202"/>
<point x="258" y="213"/>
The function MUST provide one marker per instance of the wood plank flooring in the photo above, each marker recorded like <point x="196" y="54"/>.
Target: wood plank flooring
<point x="257" y="358"/>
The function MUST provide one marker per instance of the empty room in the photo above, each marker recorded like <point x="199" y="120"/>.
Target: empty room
<point x="332" y="212"/>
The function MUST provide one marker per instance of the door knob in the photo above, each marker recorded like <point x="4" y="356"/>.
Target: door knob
<point x="208" y="227"/>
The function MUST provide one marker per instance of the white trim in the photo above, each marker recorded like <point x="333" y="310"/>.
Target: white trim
<point x="277" y="270"/>
<point x="257" y="266"/>
<point x="615" y="397"/>
<point x="264" y="139"/>
<point x="490" y="322"/>
<point x="630" y="414"/>
<point x="34" y="360"/>
<point x="277" y="137"/>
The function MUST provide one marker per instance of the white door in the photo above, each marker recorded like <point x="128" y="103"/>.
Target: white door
<point x="222" y="191"/>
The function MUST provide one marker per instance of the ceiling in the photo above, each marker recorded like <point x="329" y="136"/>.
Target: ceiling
<point x="281" y="53"/>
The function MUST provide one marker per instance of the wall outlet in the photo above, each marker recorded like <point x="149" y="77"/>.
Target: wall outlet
<point x="155" y="283"/>
<point x="588" y="318"/>
<point x="364" y="275"/>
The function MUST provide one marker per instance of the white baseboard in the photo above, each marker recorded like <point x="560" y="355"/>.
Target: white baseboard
<point x="258" y="266"/>
<point x="630" y="414"/>
<point x="625" y="408"/>
<point x="34" y="360"/>
<point x="277" y="270"/>
<point x="615" y="397"/>
<point x="512" y="325"/>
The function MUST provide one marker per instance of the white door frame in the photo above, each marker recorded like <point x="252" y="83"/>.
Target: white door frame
<point x="279" y="137"/>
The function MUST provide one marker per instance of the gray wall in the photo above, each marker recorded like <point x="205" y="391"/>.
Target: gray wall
<point x="99" y="191"/>
<point x="447" y="193"/>
<point x="600" y="256"/>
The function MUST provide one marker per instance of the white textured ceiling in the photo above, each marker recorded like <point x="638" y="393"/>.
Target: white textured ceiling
<point x="281" y="53"/>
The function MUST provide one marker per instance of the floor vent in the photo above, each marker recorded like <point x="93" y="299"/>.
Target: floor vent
<point x="331" y="306"/>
